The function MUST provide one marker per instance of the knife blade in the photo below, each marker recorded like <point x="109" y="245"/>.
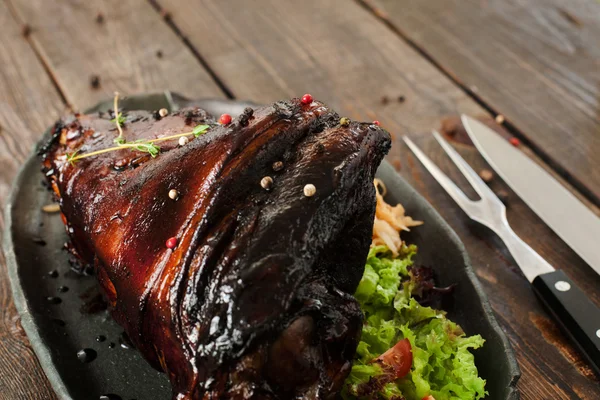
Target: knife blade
<point x="568" y="217"/>
<point x="575" y="313"/>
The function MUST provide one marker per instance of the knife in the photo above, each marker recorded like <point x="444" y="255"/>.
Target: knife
<point x="576" y="314"/>
<point x="568" y="217"/>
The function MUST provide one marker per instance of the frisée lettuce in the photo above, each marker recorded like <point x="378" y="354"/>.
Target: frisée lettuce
<point x="442" y="365"/>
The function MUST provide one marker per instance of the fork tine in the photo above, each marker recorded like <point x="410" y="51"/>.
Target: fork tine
<point x="459" y="197"/>
<point x="478" y="184"/>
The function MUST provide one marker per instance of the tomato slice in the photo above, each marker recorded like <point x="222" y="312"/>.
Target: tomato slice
<point x="399" y="358"/>
<point x="430" y="397"/>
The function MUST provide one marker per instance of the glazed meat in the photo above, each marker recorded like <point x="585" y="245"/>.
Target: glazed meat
<point x="251" y="296"/>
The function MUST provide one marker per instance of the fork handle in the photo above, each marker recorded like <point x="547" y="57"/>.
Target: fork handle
<point x="578" y="317"/>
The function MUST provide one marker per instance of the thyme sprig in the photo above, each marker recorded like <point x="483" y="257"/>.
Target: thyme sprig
<point x="146" y="146"/>
<point x="119" y="120"/>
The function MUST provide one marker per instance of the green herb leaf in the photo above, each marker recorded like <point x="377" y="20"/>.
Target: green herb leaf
<point x="200" y="129"/>
<point x="120" y="119"/>
<point x="147" y="147"/>
<point x="443" y="365"/>
<point x="71" y="157"/>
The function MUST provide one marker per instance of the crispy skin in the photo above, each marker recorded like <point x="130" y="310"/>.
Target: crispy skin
<point x="254" y="302"/>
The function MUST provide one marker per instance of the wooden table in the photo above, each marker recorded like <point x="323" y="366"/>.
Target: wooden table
<point x="415" y="65"/>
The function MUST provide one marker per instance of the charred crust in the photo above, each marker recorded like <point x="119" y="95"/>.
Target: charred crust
<point x="194" y="116"/>
<point x="45" y="147"/>
<point x="246" y="116"/>
<point x="188" y="117"/>
<point x="323" y="122"/>
<point x="315" y="310"/>
<point x="284" y="110"/>
<point x="136" y="118"/>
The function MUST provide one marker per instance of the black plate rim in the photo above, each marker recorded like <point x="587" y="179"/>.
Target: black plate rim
<point x="21" y="304"/>
<point x="42" y="351"/>
<point x="514" y="369"/>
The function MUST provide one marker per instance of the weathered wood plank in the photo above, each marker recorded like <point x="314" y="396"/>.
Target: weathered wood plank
<point x="28" y="103"/>
<point x="537" y="62"/>
<point x="350" y="81"/>
<point x="123" y="51"/>
<point x="551" y="367"/>
<point x="333" y="49"/>
<point x="126" y="44"/>
<point x="342" y="55"/>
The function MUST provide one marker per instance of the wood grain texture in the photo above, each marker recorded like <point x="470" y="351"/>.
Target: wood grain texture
<point x="340" y="53"/>
<point x="333" y="49"/>
<point x="28" y="103"/>
<point x="551" y="367"/>
<point x="122" y="52"/>
<point x="132" y="50"/>
<point x="537" y="62"/>
<point x="342" y="56"/>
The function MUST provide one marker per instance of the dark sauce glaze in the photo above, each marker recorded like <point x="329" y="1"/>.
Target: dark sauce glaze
<point x="254" y="301"/>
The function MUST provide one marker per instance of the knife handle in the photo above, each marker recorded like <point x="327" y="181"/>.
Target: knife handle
<point x="578" y="317"/>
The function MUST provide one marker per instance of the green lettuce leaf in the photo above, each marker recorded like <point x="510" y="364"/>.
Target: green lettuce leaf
<point x="443" y="365"/>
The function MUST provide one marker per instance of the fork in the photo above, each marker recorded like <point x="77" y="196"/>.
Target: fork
<point x="567" y="303"/>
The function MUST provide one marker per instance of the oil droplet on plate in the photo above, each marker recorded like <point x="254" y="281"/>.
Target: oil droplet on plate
<point x="110" y="397"/>
<point x="100" y="338"/>
<point x="54" y="300"/>
<point x="125" y="342"/>
<point x="87" y="355"/>
<point x="53" y="274"/>
<point x="63" y="289"/>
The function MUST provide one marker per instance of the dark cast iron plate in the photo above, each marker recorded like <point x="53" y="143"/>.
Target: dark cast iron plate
<point x="33" y="243"/>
